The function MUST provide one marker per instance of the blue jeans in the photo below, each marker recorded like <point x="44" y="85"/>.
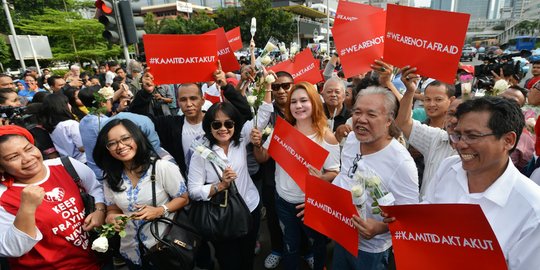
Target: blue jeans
<point x="293" y="227"/>
<point x="342" y="259"/>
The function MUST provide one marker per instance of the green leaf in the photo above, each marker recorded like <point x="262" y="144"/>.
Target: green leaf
<point x="122" y="233"/>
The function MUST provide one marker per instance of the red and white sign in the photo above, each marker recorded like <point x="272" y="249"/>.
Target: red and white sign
<point x="235" y="39"/>
<point x="304" y="68"/>
<point x="329" y="210"/>
<point x="357" y="52"/>
<point x="430" y="40"/>
<point x="293" y="151"/>
<point x="443" y="237"/>
<point x="351" y="11"/>
<point x="181" y="58"/>
<point x="224" y="51"/>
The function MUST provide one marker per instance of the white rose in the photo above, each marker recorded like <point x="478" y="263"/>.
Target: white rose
<point x="101" y="244"/>
<point x="106" y="92"/>
<point x="294" y="49"/>
<point x="267" y="131"/>
<point x="500" y="86"/>
<point x="270" y="47"/>
<point x="357" y="190"/>
<point x="373" y="181"/>
<point x="270" y="78"/>
<point x="251" y="100"/>
<point x="266" y="60"/>
<point x="200" y="148"/>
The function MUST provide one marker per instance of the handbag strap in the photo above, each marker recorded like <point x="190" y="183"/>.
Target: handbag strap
<point x="153" y="180"/>
<point x="71" y="170"/>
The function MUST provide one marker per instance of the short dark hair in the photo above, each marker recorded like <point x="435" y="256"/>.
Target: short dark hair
<point x="52" y="80"/>
<point x="535" y="62"/>
<point x="227" y="109"/>
<point x="4" y="92"/>
<point x="450" y="89"/>
<point x="190" y="84"/>
<point x="54" y="109"/>
<point x="39" y="96"/>
<point x="506" y="116"/>
<point x="86" y="95"/>
<point x="284" y="74"/>
<point x="113" y="168"/>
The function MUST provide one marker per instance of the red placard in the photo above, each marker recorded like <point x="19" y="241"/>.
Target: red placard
<point x="293" y="151"/>
<point x="329" y="210"/>
<point x="351" y="11"/>
<point x="430" y="40"/>
<point x="224" y="51"/>
<point x="234" y="38"/>
<point x="357" y="52"/>
<point x="443" y="237"/>
<point x="181" y="58"/>
<point x="304" y="68"/>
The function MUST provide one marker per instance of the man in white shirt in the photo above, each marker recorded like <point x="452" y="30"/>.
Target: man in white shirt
<point x="372" y="149"/>
<point x="487" y="132"/>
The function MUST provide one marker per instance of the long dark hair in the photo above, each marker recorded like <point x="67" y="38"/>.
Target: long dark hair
<point x="54" y="109"/>
<point x="72" y="99"/>
<point x="113" y="168"/>
<point x="227" y="109"/>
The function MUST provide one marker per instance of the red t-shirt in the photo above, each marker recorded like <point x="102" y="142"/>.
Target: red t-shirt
<point x="65" y="245"/>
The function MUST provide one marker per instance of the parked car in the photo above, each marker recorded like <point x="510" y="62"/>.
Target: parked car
<point x="467" y="54"/>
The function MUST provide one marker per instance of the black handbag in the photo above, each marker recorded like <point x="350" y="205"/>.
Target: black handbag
<point x="225" y="217"/>
<point x="177" y="245"/>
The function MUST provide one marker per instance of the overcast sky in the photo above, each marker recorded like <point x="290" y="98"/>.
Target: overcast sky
<point x="422" y="3"/>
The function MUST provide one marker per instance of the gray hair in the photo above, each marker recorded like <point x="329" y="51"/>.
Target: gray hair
<point x="390" y="101"/>
<point x="340" y="82"/>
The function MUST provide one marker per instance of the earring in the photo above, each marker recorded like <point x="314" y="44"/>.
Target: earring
<point x="3" y="178"/>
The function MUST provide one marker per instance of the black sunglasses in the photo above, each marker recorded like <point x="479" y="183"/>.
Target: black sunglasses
<point x="218" y="124"/>
<point x="285" y="86"/>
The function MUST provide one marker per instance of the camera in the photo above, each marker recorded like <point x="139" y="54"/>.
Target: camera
<point x="15" y="115"/>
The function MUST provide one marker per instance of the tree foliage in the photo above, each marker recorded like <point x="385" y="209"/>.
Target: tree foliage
<point x="199" y="23"/>
<point x="270" y="22"/>
<point x="64" y="29"/>
<point x="5" y="53"/>
<point x="528" y="27"/>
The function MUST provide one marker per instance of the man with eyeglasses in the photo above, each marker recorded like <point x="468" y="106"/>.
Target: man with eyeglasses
<point x="487" y="132"/>
<point x="430" y="140"/>
<point x="371" y="149"/>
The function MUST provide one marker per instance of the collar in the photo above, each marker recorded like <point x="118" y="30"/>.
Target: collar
<point x="499" y="191"/>
<point x="342" y="113"/>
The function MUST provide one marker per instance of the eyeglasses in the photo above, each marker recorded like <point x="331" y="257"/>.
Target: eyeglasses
<point x="285" y="86"/>
<point x="113" y="145"/>
<point x="468" y="138"/>
<point x="354" y="167"/>
<point x="218" y="124"/>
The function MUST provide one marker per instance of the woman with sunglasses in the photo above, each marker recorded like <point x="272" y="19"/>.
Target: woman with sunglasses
<point x="227" y="135"/>
<point x="305" y="112"/>
<point x="126" y="156"/>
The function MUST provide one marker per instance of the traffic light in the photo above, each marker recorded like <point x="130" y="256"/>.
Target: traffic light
<point x="130" y="23"/>
<point x="105" y="13"/>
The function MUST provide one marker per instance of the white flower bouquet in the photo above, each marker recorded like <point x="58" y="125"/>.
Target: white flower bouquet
<point x="202" y="150"/>
<point x="377" y="190"/>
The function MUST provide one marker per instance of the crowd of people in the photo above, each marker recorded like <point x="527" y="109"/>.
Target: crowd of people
<point x="428" y="142"/>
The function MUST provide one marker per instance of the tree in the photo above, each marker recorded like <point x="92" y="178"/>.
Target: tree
<point x="5" y="53"/>
<point x="270" y="22"/>
<point x="199" y="23"/>
<point x="24" y="9"/>
<point x="64" y="29"/>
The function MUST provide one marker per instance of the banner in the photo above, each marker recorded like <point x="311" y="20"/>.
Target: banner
<point x="181" y="58"/>
<point x="304" y="67"/>
<point x="329" y="210"/>
<point x="430" y="40"/>
<point x="293" y="151"/>
<point x="235" y="39"/>
<point x="443" y="237"/>
<point x="357" y="52"/>
<point x="225" y="53"/>
<point x="351" y="11"/>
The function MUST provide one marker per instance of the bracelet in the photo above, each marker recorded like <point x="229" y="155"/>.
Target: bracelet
<point x="104" y="210"/>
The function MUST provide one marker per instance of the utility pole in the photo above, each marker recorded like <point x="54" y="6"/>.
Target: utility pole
<point x="14" y="34"/>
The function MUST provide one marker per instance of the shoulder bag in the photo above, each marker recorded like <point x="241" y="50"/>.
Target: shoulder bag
<point x="177" y="245"/>
<point x="225" y="217"/>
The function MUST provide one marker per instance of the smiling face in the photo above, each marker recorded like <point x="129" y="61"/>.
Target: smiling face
<point x="333" y="93"/>
<point x="121" y="145"/>
<point x="224" y="132"/>
<point x="370" y="119"/>
<point x="301" y="107"/>
<point x="21" y="159"/>
<point x="487" y="153"/>
<point x="436" y="102"/>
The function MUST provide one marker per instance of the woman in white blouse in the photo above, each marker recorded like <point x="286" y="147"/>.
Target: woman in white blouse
<point x="227" y="136"/>
<point x="304" y="110"/>
<point x="125" y="155"/>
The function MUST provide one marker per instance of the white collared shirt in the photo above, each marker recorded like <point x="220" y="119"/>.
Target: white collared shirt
<point x="511" y="205"/>
<point x="433" y="144"/>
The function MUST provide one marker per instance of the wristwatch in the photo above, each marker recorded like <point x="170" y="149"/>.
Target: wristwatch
<point x="165" y="210"/>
